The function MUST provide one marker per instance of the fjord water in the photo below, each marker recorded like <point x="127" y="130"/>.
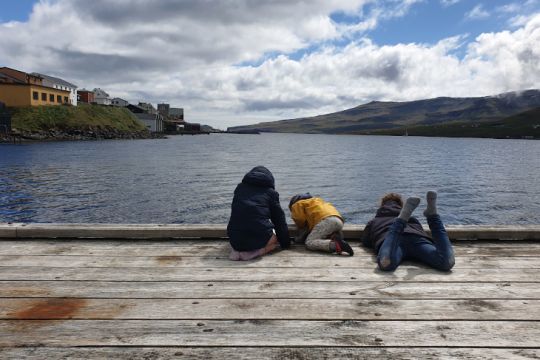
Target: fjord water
<point x="191" y="179"/>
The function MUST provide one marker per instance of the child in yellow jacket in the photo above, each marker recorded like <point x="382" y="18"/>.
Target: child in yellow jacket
<point x="320" y="222"/>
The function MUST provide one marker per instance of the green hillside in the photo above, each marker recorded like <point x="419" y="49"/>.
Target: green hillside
<point x="69" y="118"/>
<point x="522" y="125"/>
<point x="380" y="116"/>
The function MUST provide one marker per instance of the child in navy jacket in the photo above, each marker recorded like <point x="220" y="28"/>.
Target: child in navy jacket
<point x="257" y="223"/>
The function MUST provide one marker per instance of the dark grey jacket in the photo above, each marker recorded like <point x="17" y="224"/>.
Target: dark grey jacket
<point x="255" y="212"/>
<point x="376" y="228"/>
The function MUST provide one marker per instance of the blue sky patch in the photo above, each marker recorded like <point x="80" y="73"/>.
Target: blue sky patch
<point x="16" y="10"/>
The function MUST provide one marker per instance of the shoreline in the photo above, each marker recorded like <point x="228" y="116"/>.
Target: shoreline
<point x="112" y="134"/>
<point x="76" y="135"/>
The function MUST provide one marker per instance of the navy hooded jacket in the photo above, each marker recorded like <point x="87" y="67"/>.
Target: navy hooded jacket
<point x="255" y="212"/>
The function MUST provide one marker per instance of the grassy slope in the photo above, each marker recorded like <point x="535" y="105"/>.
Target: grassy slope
<point x="524" y="124"/>
<point x="384" y="116"/>
<point x="82" y="117"/>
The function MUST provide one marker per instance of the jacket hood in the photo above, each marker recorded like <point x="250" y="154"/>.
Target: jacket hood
<point x="259" y="176"/>
<point x="299" y="197"/>
<point x="389" y="209"/>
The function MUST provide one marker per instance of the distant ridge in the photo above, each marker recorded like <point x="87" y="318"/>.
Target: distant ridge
<point x="376" y="116"/>
<point x="525" y="125"/>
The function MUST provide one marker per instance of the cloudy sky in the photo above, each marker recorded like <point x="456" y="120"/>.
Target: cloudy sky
<point x="233" y="62"/>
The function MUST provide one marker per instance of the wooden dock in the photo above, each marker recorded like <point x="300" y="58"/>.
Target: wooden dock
<point x="168" y="291"/>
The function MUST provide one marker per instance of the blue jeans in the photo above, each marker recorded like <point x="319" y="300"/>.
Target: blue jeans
<point x="398" y="246"/>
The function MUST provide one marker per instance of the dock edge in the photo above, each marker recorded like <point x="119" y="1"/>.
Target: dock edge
<point x="217" y="231"/>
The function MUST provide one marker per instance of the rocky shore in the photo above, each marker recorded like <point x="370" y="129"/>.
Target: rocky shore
<point x="77" y="135"/>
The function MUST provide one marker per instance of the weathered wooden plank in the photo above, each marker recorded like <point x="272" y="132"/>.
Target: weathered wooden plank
<point x="190" y="242"/>
<point x="120" y="231"/>
<point x="160" y="231"/>
<point x="257" y="353"/>
<point x="221" y="248"/>
<point x="271" y="290"/>
<point x="493" y="232"/>
<point x="8" y="230"/>
<point x="351" y="333"/>
<point x="355" y="262"/>
<point x="273" y="309"/>
<point x="104" y="248"/>
<point x="210" y="261"/>
<point x="403" y="273"/>
<point x="171" y="243"/>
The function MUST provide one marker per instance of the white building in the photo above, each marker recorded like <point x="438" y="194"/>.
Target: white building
<point x="119" y="102"/>
<point x="153" y="122"/>
<point x="101" y="97"/>
<point x="60" y="84"/>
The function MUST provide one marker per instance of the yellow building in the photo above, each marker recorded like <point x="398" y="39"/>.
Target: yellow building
<point x="18" y="88"/>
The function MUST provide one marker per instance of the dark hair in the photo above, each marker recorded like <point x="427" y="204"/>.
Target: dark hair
<point x="299" y="197"/>
<point x="392" y="197"/>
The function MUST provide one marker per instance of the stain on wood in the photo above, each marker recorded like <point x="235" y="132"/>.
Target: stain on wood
<point x="480" y="305"/>
<point x="168" y="259"/>
<point x="48" y="309"/>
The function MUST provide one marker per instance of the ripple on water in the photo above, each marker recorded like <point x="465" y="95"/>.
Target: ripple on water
<point x="192" y="180"/>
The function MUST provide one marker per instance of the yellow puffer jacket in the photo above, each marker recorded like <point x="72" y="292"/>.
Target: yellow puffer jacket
<point x="311" y="211"/>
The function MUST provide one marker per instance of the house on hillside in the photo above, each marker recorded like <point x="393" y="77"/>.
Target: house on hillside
<point x="18" y="88"/>
<point x="85" y="96"/>
<point x="14" y="76"/>
<point x="101" y="97"/>
<point x="153" y="122"/>
<point x="60" y="84"/>
<point x="135" y="109"/>
<point x="119" y="102"/>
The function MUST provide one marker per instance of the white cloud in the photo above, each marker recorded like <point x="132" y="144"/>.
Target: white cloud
<point x="478" y="12"/>
<point x="449" y="2"/>
<point x="183" y="54"/>
<point x="520" y="20"/>
<point x="509" y="8"/>
<point x="518" y="13"/>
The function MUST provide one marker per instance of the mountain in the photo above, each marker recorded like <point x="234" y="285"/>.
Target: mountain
<point x="377" y="116"/>
<point x="525" y="125"/>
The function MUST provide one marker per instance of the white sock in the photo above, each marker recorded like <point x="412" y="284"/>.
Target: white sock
<point x="409" y="207"/>
<point x="431" y="208"/>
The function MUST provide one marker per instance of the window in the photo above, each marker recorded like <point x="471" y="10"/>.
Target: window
<point x="35" y="95"/>
<point x="51" y="97"/>
<point x="59" y="99"/>
<point x="43" y="97"/>
<point x="66" y="100"/>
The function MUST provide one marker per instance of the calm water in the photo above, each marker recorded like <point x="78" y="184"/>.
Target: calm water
<point x="191" y="179"/>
